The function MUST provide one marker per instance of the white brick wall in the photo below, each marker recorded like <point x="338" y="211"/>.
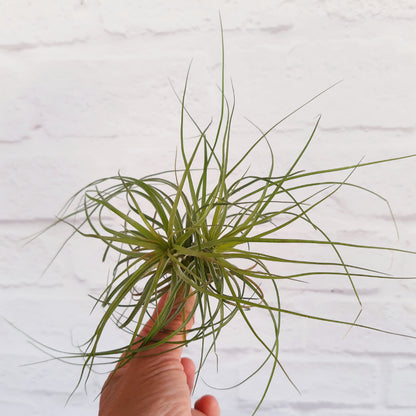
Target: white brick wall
<point x="85" y="92"/>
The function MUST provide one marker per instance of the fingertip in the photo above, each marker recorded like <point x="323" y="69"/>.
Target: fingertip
<point x="208" y="405"/>
<point x="189" y="369"/>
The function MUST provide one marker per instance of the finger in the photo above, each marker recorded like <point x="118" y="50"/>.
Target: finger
<point x="195" y="412"/>
<point x="146" y="327"/>
<point x="186" y="306"/>
<point x="181" y="310"/>
<point x="149" y="324"/>
<point x="189" y="369"/>
<point x="208" y="405"/>
<point x="174" y="324"/>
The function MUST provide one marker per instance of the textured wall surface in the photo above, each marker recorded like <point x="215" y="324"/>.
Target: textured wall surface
<point x="85" y="92"/>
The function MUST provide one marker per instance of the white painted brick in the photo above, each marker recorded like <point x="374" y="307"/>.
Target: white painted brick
<point x="368" y="10"/>
<point x="306" y="67"/>
<point x="379" y="411"/>
<point x="238" y="337"/>
<point x="24" y="24"/>
<point x="52" y="404"/>
<point x="66" y="164"/>
<point x="322" y="383"/>
<point x="19" y="118"/>
<point x="271" y="411"/>
<point x="186" y="15"/>
<point x="18" y="407"/>
<point x="15" y="248"/>
<point x="340" y="340"/>
<point x="89" y="99"/>
<point x="401" y="389"/>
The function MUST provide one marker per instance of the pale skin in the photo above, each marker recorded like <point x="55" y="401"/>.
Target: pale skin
<point x="156" y="384"/>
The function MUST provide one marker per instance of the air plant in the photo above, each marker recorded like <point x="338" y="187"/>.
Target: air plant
<point x="185" y="232"/>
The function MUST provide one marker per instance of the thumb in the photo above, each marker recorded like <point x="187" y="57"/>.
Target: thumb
<point x="180" y="311"/>
<point x="182" y="308"/>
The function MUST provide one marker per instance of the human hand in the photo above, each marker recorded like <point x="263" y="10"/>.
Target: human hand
<point x="158" y="383"/>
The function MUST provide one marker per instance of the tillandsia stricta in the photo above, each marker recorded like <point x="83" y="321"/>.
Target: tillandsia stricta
<point x="185" y="232"/>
